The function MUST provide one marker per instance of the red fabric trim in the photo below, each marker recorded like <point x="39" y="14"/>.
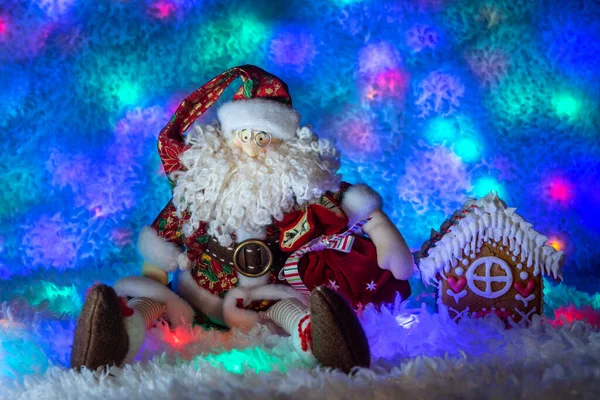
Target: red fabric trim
<point x="126" y="311"/>
<point x="305" y="333"/>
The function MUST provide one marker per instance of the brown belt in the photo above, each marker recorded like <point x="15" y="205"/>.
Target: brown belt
<point x="251" y="257"/>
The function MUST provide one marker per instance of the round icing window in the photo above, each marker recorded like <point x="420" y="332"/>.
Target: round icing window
<point x="489" y="277"/>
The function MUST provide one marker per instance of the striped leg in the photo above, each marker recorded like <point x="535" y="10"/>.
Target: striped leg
<point x="150" y="310"/>
<point x="294" y="318"/>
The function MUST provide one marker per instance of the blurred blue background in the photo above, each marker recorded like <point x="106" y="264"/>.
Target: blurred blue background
<point x="430" y="101"/>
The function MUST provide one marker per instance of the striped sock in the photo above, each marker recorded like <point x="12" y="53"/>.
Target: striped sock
<point x="294" y="317"/>
<point x="149" y="309"/>
<point x="287" y="314"/>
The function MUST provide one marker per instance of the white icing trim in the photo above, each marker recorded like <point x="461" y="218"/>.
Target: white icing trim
<point x="456" y="296"/>
<point x="525" y="300"/>
<point x="525" y="316"/>
<point x="459" y="314"/>
<point x="488" y="278"/>
<point x="488" y="218"/>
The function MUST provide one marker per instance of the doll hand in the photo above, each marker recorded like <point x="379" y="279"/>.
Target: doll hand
<point x="242" y="296"/>
<point x="236" y="317"/>
<point x="391" y="257"/>
<point x="184" y="262"/>
<point x="392" y="252"/>
<point x="172" y="265"/>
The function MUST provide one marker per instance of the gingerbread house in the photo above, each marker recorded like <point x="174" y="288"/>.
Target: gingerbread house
<point x="488" y="259"/>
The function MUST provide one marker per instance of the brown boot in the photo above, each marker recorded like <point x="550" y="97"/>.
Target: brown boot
<point x="338" y="339"/>
<point x="100" y="337"/>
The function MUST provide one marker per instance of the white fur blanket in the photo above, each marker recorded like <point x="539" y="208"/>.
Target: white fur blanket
<point x="415" y="355"/>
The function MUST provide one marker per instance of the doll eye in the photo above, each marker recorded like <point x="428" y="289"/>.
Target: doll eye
<point x="263" y="139"/>
<point x="245" y="135"/>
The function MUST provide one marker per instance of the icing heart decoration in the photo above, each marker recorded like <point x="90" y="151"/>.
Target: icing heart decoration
<point x="525" y="290"/>
<point x="457" y="284"/>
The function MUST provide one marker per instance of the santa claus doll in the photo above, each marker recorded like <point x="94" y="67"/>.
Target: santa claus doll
<point x="260" y="230"/>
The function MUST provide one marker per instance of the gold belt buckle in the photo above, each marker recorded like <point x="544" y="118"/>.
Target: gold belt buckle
<point x="239" y="258"/>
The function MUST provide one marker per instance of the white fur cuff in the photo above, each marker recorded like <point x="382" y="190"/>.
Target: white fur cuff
<point x="270" y="116"/>
<point x="157" y="250"/>
<point x="359" y="201"/>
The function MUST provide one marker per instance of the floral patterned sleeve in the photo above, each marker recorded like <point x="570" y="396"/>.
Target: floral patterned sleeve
<point x="167" y="224"/>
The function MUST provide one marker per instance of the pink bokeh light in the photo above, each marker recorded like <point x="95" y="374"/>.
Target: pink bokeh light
<point x="3" y="25"/>
<point x="121" y="236"/>
<point x="162" y="9"/>
<point x="557" y="190"/>
<point x="561" y="190"/>
<point x="387" y="84"/>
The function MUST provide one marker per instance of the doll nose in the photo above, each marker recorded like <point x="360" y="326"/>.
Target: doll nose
<point x="250" y="152"/>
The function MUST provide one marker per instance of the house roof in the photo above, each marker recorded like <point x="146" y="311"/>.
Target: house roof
<point x="482" y="220"/>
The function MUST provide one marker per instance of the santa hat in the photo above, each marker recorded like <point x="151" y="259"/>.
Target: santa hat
<point x="262" y="102"/>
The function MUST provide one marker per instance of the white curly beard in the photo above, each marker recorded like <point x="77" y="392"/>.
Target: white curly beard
<point x="229" y="190"/>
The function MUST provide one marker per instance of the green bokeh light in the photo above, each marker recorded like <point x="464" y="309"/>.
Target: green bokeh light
<point x="566" y="105"/>
<point x="128" y="93"/>
<point x="246" y="360"/>
<point x="238" y="39"/>
<point x="61" y="300"/>
<point x="347" y="2"/>
<point x="487" y="184"/>
<point x="442" y="130"/>
<point x="467" y="149"/>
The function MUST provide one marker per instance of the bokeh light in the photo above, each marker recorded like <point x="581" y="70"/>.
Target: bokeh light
<point x="467" y="149"/>
<point x="487" y="184"/>
<point x="248" y="360"/>
<point x="557" y="243"/>
<point x="560" y="190"/>
<point x="3" y="25"/>
<point x="162" y="9"/>
<point x="442" y="130"/>
<point x="566" y="105"/>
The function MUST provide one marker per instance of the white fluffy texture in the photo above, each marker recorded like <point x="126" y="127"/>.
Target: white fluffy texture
<point x="273" y="117"/>
<point x="489" y="218"/>
<point x="248" y="282"/>
<point x="136" y="331"/>
<point x="360" y="201"/>
<point x="231" y="190"/>
<point x="178" y="310"/>
<point x="241" y="234"/>
<point x="435" y="359"/>
<point x="198" y="297"/>
<point x="157" y="250"/>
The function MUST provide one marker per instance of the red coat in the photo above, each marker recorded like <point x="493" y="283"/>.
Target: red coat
<point x="355" y="274"/>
